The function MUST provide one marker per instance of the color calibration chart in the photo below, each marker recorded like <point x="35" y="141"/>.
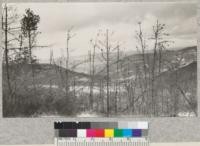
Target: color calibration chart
<point x="101" y="133"/>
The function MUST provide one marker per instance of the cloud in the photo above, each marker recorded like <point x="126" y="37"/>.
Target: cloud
<point x="122" y="18"/>
<point x="187" y="27"/>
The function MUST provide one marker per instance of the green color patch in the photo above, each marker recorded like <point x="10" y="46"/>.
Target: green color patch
<point x="118" y="133"/>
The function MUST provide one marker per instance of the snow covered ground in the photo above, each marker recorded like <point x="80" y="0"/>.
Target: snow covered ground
<point x="81" y="88"/>
<point x="89" y="114"/>
<point x="186" y="114"/>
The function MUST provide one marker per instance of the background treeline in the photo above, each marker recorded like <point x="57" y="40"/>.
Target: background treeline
<point x="154" y="81"/>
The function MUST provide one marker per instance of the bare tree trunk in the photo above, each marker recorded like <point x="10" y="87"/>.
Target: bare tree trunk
<point x="159" y="71"/>
<point x="153" y="70"/>
<point x="67" y="67"/>
<point x="142" y="42"/>
<point x="74" y="84"/>
<point x="129" y="91"/>
<point x="67" y="84"/>
<point x="50" y="81"/>
<point x="106" y="49"/>
<point x="152" y="86"/>
<point x="91" y="81"/>
<point x="31" y="61"/>
<point x="176" y="95"/>
<point x="6" y="48"/>
<point x="117" y="83"/>
<point x="162" y="102"/>
<point x="101" y="95"/>
<point x="160" y="60"/>
<point x="143" y="46"/>
<point x="108" y="75"/>
<point x="67" y="62"/>
<point x="30" y="47"/>
<point x="167" y="106"/>
<point x="93" y="73"/>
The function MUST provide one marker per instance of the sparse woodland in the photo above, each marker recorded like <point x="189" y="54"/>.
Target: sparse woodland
<point x="159" y="82"/>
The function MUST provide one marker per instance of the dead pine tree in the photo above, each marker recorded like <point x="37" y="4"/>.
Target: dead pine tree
<point x="117" y="98"/>
<point x="142" y="48"/>
<point x="5" y="29"/>
<point x="70" y="35"/>
<point x="74" y="87"/>
<point x="162" y="46"/>
<point x="117" y="84"/>
<point x="108" y="72"/>
<point x="141" y="39"/>
<point x="107" y="59"/>
<point x="101" y="96"/>
<point x="155" y="37"/>
<point x="106" y="47"/>
<point x="91" y="80"/>
<point x="160" y="43"/>
<point x="51" y="61"/>
<point x="9" y="20"/>
<point x="92" y="69"/>
<point x="74" y="79"/>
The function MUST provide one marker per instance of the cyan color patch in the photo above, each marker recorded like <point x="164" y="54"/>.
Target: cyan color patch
<point x="127" y="132"/>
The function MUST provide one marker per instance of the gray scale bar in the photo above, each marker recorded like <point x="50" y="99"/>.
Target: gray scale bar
<point x="104" y="125"/>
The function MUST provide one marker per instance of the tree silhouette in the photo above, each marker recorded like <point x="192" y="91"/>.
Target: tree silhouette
<point x="29" y="26"/>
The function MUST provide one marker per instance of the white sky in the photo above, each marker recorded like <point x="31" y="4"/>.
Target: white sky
<point x="121" y="18"/>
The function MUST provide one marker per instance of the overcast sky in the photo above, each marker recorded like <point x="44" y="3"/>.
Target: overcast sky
<point x="121" y="18"/>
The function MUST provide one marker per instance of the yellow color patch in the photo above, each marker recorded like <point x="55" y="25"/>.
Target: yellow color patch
<point x="109" y="132"/>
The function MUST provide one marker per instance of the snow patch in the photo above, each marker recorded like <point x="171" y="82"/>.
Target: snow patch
<point x="186" y="114"/>
<point x="88" y="115"/>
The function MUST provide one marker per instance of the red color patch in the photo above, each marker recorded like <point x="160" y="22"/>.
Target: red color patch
<point x="99" y="132"/>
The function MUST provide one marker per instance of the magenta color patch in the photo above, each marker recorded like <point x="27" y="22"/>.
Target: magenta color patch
<point x="91" y="133"/>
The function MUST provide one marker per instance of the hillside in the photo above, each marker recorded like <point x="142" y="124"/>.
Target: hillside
<point x="44" y="73"/>
<point x="46" y="88"/>
<point x="181" y="84"/>
<point x="129" y="68"/>
<point x="129" y="65"/>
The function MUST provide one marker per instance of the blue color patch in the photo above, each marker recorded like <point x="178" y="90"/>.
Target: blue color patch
<point x="127" y="132"/>
<point x="137" y="133"/>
